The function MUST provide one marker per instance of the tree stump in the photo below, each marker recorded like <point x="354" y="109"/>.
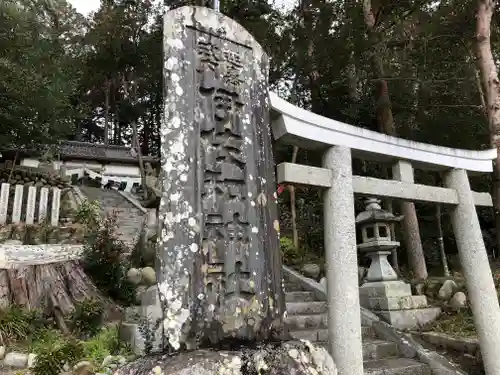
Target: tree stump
<point x="45" y="278"/>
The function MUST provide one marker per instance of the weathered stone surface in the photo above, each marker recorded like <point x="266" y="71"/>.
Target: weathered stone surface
<point x="13" y="242"/>
<point x="139" y="292"/>
<point x="134" y="276"/>
<point x="447" y="290"/>
<point x="323" y="281"/>
<point x="4" y="202"/>
<point x="148" y="275"/>
<point x="296" y="358"/>
<point x="31" y="360"/>
<point x="5" y="232"/>
<point x="311" y="270"/>
<point x="83" y="368"/>
<point x="459" y="300"/>
<point x="107" y="360"/>
<point x="2" y="352"/>
<point x="16" y="360"/>
<point x="218" y="266"/>
<point x="13" y="256"/>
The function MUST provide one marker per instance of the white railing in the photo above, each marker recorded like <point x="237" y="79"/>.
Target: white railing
<point x="28" y="206"/>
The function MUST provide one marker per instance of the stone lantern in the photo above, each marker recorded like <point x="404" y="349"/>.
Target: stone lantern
<point x="377" y="244"/>
<point x="383" y="292"/>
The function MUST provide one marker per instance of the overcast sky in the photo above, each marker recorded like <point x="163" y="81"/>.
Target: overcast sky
<point x="85" y="6"/>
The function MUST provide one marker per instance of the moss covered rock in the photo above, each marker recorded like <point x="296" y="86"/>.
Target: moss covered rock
<point x="299" y="358"/>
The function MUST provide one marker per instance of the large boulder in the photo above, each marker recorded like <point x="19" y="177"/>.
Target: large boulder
<point x="447" y="290"/>
<point x="458" y="301"/>
<point x="298" y="358"/>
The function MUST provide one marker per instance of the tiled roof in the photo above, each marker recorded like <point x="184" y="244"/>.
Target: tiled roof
<point x="89" y="151"/>
<point x="85" y="150"/>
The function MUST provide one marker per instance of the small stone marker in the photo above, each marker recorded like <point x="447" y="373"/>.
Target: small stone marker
<point x="30" y="205"/>
<point x="220" y="274"/>
<point x="4" y="202"/>
<point x="56" y="205"/>
<point x="42" y="208"/>
<point x="18" y="204"/>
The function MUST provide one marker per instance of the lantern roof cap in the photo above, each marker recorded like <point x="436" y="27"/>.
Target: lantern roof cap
<point x="375" y="214"/>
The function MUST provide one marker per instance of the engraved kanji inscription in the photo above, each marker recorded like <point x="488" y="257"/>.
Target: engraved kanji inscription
<point x="219" y="266"/>
<point x="224" y="198"/>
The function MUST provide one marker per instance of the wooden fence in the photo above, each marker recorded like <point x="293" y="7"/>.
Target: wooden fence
<point x="34" y="206"/>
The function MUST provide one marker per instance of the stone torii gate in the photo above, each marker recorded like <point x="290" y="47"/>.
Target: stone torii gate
<point x="218" y="267"/>
<point x="340" y="143"/>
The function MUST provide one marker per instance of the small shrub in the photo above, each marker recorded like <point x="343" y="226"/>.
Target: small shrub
<point x="45" y="338"/>
<point x="51" y="360"/>
<point x="89" y="214"/>
<point x="87" y="318"/>
<point x="104" y="264"/>
<point x="290" y="254"/>
<point x="107" y="342"/>
<point x="38" y="233"/>
<point x="17" y="324"/>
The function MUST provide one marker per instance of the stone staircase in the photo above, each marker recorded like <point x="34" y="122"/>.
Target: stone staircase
<point x="129" y="217"/>
<point x="307" y="319"/>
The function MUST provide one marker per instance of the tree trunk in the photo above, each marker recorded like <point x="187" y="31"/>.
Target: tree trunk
<point x="385" y="122"/>
<point x="106" y="113"/>
<point x="442" y="251"/>
<point x="146" y="132"/>
<point x="293" y="208"/>
<point x="16" y="156"/>
<point x="132" y="97"/>
<point x="137" y="147"/>
<point x="491" y="86"/>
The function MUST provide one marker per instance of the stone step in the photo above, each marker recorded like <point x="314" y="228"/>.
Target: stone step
<point x="311" y="321"/>
<point x="316" y="322"/>
<point x="321" y="335"/>
<point x="396" y="366"/>
<point x="300" y="296"/>
<point x="314" y="307"/>
<point x="375" y="349"/>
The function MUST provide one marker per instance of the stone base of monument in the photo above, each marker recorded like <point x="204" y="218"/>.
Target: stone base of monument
<point x="142" y="327"/>
<point x="298" y="358"/>
<point x="394" y="302"/>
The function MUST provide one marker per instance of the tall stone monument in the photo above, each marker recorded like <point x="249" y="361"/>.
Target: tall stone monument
<point x="218" y="259"/>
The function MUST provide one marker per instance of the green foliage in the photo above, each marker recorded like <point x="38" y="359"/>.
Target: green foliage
<point x="106" y="342"/>
<point x="104" y="262"/>
<point x="54" y="349"/>
<point x="89" y="214"/>
<point x="290" y="254"/>
<point x="51" y="360"/>
<point x="87" y="318"/>
<point x="17" y="324"/>
<point x="45" y="337"/>
<point x="39" y="72"/>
